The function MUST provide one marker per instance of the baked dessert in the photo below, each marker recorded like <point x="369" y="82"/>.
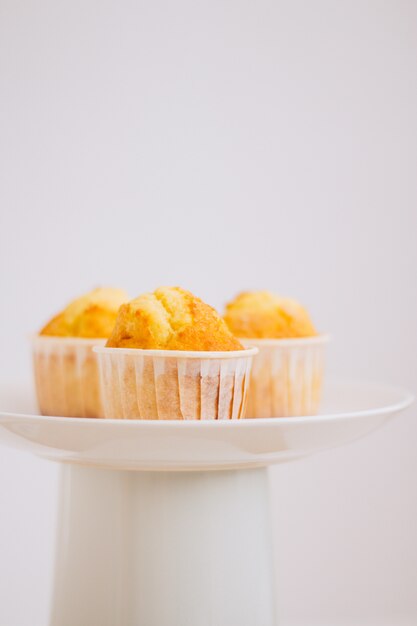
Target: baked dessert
<point x="287" y="372"/>
<point x="91" y="316"/>
<point x="171" y="318"/>
<point x="171" y="356"/>
<point x="263" y="315"/>
<point x="66" y="372"/>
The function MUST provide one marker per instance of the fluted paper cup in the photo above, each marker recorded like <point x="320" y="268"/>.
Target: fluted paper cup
<point x="66" y="376"/>
<point x="168" y="384"/>
<point x="287" y="376"/>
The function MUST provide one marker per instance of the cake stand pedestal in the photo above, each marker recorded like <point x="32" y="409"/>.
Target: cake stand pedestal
<point x="163" y="549"/>
<point x="148" y="534"/>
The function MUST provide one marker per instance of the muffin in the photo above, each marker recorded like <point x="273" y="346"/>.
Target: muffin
<point x="287" y="372"/>
<point x="263" y="315"/>
<point x="66" y="372"/>
<point x="171" y="356"/>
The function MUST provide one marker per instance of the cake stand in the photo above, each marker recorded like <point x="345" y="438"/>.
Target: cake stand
<point x="167" y="523"/>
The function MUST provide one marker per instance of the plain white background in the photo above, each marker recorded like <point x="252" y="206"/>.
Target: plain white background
<point x="224" y="145"/>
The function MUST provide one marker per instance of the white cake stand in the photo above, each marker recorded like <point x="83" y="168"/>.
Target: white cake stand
<point x="148" y="534"/>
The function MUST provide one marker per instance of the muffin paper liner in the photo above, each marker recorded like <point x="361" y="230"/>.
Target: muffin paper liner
<point x="287" y="376"/>
<point x="166" y="385"/>
<point x="66" y="376"/>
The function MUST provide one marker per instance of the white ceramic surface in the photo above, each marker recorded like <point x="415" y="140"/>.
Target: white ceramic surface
<point x="350" y="411"/>
<point x="172" y="548"/>
<point x="163" y="549"/>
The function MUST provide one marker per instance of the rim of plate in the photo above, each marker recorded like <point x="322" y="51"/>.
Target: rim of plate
<point x="406" y="401"/>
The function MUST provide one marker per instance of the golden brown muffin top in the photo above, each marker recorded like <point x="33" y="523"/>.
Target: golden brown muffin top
<point x="263" y="315"/>
<point x="90" y="316"/>
<point x="171" y="318"/>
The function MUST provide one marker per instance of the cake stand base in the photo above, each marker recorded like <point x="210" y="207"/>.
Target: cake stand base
<point x="163" y="549"/>
<point x="141" y="541"/>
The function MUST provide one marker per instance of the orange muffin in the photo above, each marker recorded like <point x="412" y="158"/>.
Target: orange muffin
<point x="287" y="372"/>
<point x="263" y="315"/>
<point x="171" y="318"/>
<point x="171" y="356"/>
<point x="91" y="316"/>
<point x="65" y="366"/>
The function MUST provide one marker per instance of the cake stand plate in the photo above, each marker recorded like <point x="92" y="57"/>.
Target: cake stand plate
<point x="170" y="547"/>
<point x="350" y="411"/>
